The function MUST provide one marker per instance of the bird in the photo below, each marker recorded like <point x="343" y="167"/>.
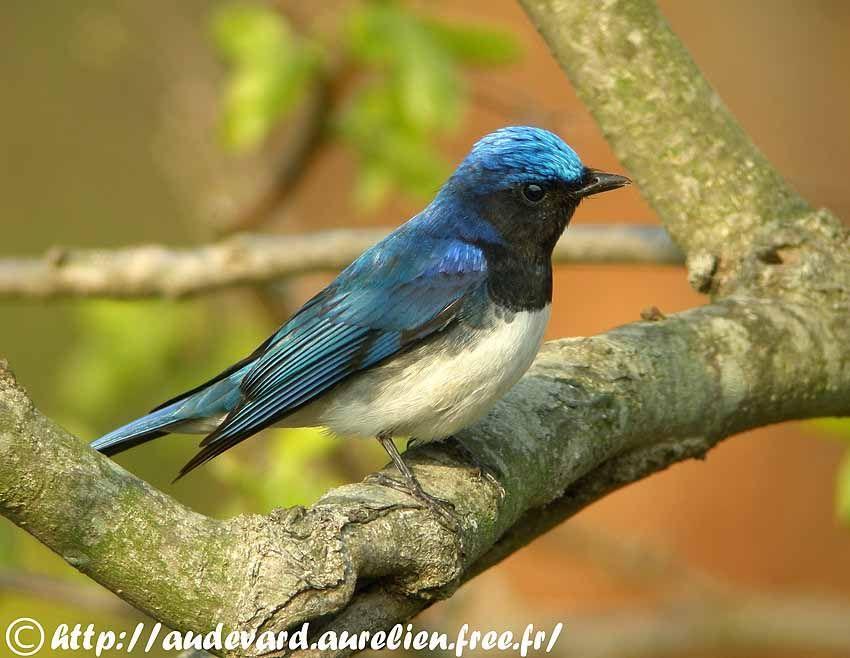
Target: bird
<point x="423" y="333"/>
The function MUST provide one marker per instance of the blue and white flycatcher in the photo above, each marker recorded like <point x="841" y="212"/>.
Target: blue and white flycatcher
<point x="420" y="335"/>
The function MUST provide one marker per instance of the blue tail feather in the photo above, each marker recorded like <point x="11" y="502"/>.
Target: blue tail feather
<point x="139" y="431"/>
<point x="214" y="399"/>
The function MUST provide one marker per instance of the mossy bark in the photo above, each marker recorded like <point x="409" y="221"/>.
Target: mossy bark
<point x="592" y="415"/>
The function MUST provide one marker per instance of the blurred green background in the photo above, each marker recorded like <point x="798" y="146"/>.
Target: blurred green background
<point x="178" y="122"/>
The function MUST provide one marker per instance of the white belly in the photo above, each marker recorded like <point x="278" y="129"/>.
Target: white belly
<point x="433" y="391"/>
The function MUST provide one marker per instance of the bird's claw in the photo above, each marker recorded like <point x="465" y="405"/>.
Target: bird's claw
<point x="443" y="509"/>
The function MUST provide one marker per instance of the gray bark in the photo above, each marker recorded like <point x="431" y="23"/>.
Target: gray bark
<point x="592" y="415"/>
<point x="154" y="270"/>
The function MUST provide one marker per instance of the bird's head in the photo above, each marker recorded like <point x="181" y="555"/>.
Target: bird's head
<point x="526" y="183"/>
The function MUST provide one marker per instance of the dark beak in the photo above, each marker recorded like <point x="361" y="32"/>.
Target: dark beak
<point x="595" y="181"/>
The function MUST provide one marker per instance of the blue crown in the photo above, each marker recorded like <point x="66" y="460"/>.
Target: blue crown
<point x="524" y="153"/>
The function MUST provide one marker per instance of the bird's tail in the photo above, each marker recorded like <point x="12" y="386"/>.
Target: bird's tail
<point x="141" y="430"/>
<point x="198" y="411"/>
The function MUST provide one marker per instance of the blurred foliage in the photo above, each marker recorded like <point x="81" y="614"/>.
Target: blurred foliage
<point x="128" y="356"/>
<point x="839" y="428"/>
<point x="410" y="89"/>
<point x="269" y="65"/>
<point x="403" y="90"/>
<point x="294" y="471"/>
<point x="836" y="427"/>
<point x="7" y="548"/>
<point x="131" y="356"/>
<point x="842" y="490"/>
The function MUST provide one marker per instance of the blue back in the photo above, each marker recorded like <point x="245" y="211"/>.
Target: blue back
<point x="428" y="274"/>
<point x="398" y="293"/>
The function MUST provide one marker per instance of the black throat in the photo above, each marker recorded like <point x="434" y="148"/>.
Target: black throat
<point x="518" y="281"/>
<point x="519" y="264"/>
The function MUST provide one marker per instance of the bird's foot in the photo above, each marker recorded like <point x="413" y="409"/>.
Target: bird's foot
<point x="443" y="509"/>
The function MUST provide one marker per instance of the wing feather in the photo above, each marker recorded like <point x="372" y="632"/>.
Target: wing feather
<point x="382" y="304"/>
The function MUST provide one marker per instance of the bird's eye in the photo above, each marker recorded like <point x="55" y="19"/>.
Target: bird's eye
<point x="533" y="193"/>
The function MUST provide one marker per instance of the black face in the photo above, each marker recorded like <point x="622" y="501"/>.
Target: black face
<point x="530" y="217"/>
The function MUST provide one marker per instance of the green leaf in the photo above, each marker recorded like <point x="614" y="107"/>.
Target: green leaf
<point x="257" y="97"/>
<point x="418" y="72"/>
<point x="245" y="33"/>
<point x="416" y="95"/>
<point x="374" y="30"/>
<point x="373" y="185"/>
<point x="413" y="93"/>
<point x="427" y="88"/>
<point x="270" y="68"/>
<point x="391" y="150"/>
<point x="474" y="44"/>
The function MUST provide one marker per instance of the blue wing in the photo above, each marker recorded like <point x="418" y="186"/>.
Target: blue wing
<point x="397" y="294"/>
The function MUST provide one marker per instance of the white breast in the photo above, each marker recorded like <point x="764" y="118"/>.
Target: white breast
<point x="433" y="391"/>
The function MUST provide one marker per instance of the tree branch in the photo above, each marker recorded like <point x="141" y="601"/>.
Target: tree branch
<point x="148" y="271"/>
<point x="713" y="189"/>
<point x="594" y="414"/>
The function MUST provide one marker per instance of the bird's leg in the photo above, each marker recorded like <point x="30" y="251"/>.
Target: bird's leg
<point x="442" y="508"/>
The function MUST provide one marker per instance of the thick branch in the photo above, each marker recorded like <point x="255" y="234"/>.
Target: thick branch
<point x="593" y="415"/>
<point x="712" y="187"/>
<point x="148" y="271"/>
